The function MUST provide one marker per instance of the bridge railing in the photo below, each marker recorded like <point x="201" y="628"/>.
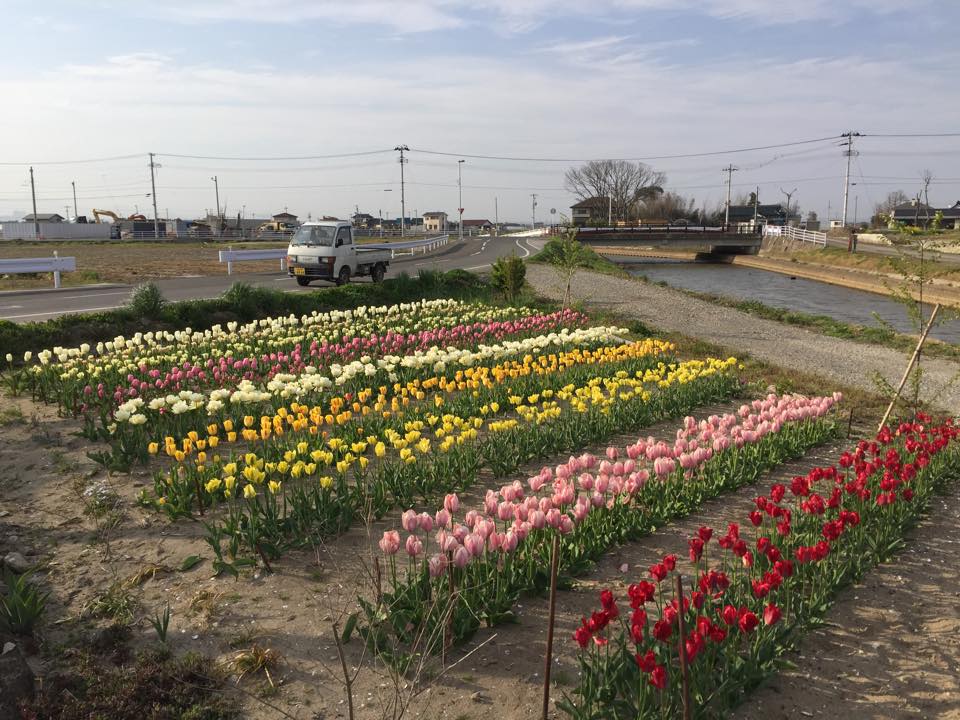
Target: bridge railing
<point x="794" y="233"/>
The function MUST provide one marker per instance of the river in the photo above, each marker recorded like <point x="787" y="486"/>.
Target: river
<point x="781" y="291"/>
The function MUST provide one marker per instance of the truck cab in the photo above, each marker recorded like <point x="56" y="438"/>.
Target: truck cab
<point x="326" y="250"/>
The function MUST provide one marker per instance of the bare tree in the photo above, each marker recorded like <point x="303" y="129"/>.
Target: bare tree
<point x="670" y="206"/>
<point x="627" y="183"/>
<point x="897" y="197"/>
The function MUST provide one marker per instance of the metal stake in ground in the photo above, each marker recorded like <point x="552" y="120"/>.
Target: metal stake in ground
<point x="548" y="659"/>
<point x="906" y="373"/>
<point x="685" y="688"/>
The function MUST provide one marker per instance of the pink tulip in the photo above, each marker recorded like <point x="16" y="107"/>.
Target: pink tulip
<point x="426" y="522"/>
<point x="414" y="546"/>
<point x="451" y="503"/>
<point x="410" y="520"/>
<point x="390" y="542"/>
<point x="438" y="565"/>
<point x="442" y="518"/>
<point x="461" y="557"/>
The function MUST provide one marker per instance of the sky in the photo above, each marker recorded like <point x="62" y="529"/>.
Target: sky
<point x="261" y="94"/>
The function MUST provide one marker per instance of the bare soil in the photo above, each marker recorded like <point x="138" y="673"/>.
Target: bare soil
<point x="129" y="262"/>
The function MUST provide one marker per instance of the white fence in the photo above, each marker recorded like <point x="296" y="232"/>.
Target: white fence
<point x="54" y="231"/>
<point x="231" y="256"/>
<point x="794" y="233"/>
<point x="411" y="246"/>
<point x="55" y="264"/>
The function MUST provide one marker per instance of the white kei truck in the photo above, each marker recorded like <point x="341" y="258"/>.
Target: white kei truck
<point x="326" y="250"/>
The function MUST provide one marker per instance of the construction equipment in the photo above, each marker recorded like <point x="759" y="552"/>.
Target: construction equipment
<point x="275" y="227"/>
<point x="97" y="214"/>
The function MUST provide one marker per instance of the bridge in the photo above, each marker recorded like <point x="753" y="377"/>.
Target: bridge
<point x="707" y="241"/>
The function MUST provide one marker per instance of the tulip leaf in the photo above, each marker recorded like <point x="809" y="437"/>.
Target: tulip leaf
<point x="190" y="562"/>
<point x="348" y="628"/>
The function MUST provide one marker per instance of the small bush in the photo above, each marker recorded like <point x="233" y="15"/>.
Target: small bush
<point x="147" y="302"/>
<point x="508" y="275"/>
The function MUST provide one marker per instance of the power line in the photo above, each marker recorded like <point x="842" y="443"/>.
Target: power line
<point x="649" y="157"/>
<point x="911" y="135"/>
<point x="73" y="162"/>
<point x="333" y="156"/>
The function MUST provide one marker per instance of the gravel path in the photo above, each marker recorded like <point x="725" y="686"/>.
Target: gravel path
<point x="837" y="360"/>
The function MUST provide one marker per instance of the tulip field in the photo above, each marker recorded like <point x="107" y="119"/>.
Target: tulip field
<point x="466" y="455"/>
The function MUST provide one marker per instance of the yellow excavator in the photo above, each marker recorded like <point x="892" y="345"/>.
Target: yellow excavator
<point x="97" y="214"/>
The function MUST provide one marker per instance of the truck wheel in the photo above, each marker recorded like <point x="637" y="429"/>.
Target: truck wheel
<point x="344" y="277"/>
<point x="378" y="272"/>
<point x="303" y="281"/>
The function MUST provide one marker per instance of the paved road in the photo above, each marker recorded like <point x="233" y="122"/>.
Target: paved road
<point x="891" y="251"/>
<point x="476" y="254"/>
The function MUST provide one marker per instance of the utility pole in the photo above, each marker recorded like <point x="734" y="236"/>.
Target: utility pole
<point x="460" y="189"/>
<point x="786" y="216"/>
<point x="403" y="197"/>
<point x="849" y="152"/>
<point x="76" y="213"/>
<point x="496" y="217"/>
<point x="153" y="194"/>
<point x="756" y="206"/>
<point x="533" y="210"/>
<point x="729" y="170"/>
<point x="33" y="194"/>
<point x="216" y="188"/>
<point x="609" y="210"/>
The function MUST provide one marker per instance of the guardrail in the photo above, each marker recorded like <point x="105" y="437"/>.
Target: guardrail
<point x="55" y="264"/>
<point x="795" y="233"/>
<point x="423" y="246"/>
<point x="230" y="256"/>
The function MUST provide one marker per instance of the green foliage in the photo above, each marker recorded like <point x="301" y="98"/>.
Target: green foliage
<point x="161" y="623"/>
<point x="508" y="275"/>
<point x="241" y="303"/>
<point x="147" y="302"/>
<point x="557" y="250"/>
<point x="23" y="604"/>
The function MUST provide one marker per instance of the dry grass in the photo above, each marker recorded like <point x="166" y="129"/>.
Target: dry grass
<point x="129" y="262"/>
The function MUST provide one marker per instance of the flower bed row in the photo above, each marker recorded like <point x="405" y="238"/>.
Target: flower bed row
<point x="93" y="384"/>
<point x="473" y="569"/>
<point x="754" y="590"/>
<point x="272" y="504"/>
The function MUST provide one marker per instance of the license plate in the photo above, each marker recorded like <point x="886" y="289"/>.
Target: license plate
<point x="299" y="271"/>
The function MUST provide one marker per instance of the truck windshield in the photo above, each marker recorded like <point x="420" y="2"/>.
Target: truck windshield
<point x="314" y="235"/>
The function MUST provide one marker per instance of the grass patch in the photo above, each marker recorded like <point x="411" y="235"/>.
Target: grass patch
<point x="831" y="327"/>
<point x="153" y="687"/>
<point x="590" y="260"/>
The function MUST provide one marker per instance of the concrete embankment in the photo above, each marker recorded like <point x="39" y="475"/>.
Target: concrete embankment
<point x="939" y="291"/>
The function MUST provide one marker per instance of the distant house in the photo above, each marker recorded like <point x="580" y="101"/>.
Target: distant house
<point x="743" y="215"/>
<point x="435" y="221"/>
<point x="477" y="225"/>
<point x="592" y="211"/>
<point x="44" y="217"/>
<point x="365" y="221"/>
<point x="921" y="214"/>
<point x="285" y="217"/>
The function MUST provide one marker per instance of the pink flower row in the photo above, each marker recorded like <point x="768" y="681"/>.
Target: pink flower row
<point x="562" y="497"/>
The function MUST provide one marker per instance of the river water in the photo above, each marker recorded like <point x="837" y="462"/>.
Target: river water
<point x="782" y="291"/>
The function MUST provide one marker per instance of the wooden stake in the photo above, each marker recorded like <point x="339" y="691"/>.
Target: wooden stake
<point x="684" y="683"/>
<point x="906" y="373"/>
<point x="346" y="675"/>
<point x="548" y="659"/>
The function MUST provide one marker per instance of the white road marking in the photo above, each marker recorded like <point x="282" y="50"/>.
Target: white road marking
<point x="12" y="307"/>
<point x="86" y="295"/>
<point x="478" y="267"/>
<point x="477" y="252"/>
<point x="526" y="252"/>
<point x="57" y="313"/>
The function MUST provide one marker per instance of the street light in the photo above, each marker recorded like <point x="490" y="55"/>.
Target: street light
<point x="460" y="189"/>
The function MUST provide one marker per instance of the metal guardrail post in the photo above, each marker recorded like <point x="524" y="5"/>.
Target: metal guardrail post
<point x="283" y="264"/>
<point x="230" y="262"/>
<point x="56" y="272"/>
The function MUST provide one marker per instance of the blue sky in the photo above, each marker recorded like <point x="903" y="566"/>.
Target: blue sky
<point x="529" y="78"/>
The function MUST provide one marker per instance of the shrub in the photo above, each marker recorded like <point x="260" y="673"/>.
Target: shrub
<point x="23" y="604"/>
<point x="508" y="275"/>
<point x="147" y="302"/>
